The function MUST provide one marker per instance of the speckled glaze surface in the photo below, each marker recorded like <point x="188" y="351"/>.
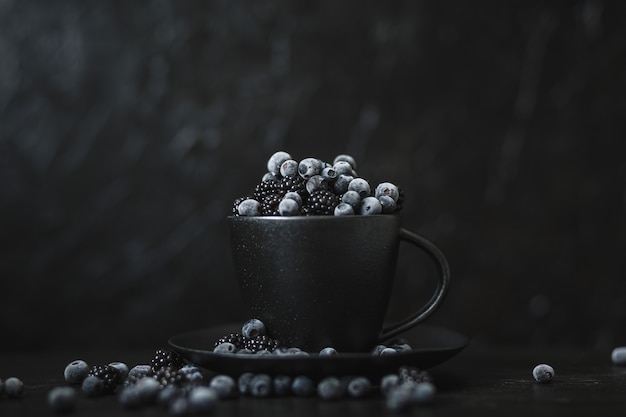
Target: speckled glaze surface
<point x="322" y="281"/>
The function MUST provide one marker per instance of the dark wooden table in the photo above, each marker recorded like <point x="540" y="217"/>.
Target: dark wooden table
<point x="481" y="380"/>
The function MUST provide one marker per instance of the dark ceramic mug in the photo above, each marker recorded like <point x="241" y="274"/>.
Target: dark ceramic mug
<point x="319" y="281"/>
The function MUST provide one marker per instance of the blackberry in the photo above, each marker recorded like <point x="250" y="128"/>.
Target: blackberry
<point x="321" y="202"/>
<point x="169" y="375"/>
<point x="111" y="377"/>
<point x="261" y="343"/>
<point x="234" y="338"/>
<point x="293" y="183"/>
<point x="265" y="188"/>
<point x="269" y="205"/>
<point x="236" y="203"/>
<point x="412" y="374"/>
<point x="166" y="358"/>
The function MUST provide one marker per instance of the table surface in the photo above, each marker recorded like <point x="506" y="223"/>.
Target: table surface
<point x="483" y="380"/>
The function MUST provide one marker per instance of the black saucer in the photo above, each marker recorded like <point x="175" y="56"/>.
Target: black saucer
<point x="431" y="346"/>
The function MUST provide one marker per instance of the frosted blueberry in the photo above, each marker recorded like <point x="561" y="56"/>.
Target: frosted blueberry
<point x="192" y="373"/>
<point x="329" y="351"/>
<point x="168" y="394"/>
<point x="289" y="167"/>
<point x="122" y="367"/>
<point x="268" y="176"/>
<point x="139" y="371"/>
<point x="353" y="198"/>
<point x="316" y="182"/>
<point x="263" y="352"/>
<point x="388" y="351"/>
<point x="341" y="183"/>
<point x="302" y="386"/>
<point x="329" y="173"/>
<point x="543" y="373"/>
<point x="243" y="382"/>
<point x="388" y="204"/>
<point x="401" y="347"/>
<point x="359" y="387"/>
<point x="276" y="160"/>
<point x="245" y="351"/>
<point x="92" y="386"/>
<point x="253" y="328"/>
<point x="261" y="385"/>
<point x="288" y="207"/>
<point x="62" y="399"/>
<point x="343" y="209"/>
<point x="618" y="356"/>
<point x="292" y="195"/>
<point x="130" y="397"/>
<point x="378" y="349"/>
<point x="361" y="186"/>
<point x="249" y="207"/>
<point x="147" y="389"/>
<point x="330" y="388"/>
<point x="423" y="393"/>
<point x="343" y="168"/>
<point x="309" y="167"/>
<point x="370" y="206"/>
<point x="13" y="387"/>
<point x="399" y="397"/>
<point x="179" y="406"/>
<point x="202" y="399"/>
<point x="76" y="371"/>
<point x="388" y="382"/>
<point x="225" y="347"/>
<point x="346" y="158"/>
<point x="387" y="189"/>
<point x="282" y="384"/>
<point x="224" y="385"/>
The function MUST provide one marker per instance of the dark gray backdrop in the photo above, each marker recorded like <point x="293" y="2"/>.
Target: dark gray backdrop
<point x="128" y="128"/>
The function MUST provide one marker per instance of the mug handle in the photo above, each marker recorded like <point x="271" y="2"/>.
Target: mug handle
<point x="442" y="286"/>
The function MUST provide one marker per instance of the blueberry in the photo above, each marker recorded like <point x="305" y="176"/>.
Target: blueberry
<point x="388" y="205"/>
<point x="402" y="347"/>
<point x="249" y="207"/>
<point x="282" y="384"/>
<point x="224" y="385"/>
<point x="353" y="198"/>
<point x="302" y="386"/>
<point x="76" y="371"/>
<point x="130" y="397"/>
<point x="289" y="168"/>
<point x="316" y="182"/>
<point x="139" y="371"/>
<point x="168" y="394"/>
<point x="122" y="367"/>
<point x="343" y="168"/>
<point x="399" y="397"/>
<point x="13" y="387"/>
<point x="92" y="386"/>
<point x="253" y="328"/>
<point x="345" y="158"/>
<point x="359" y="387"/>
<point x="341" y="183"/>
<point x="62" y="399"/>
<point x="261" y="385"/>
<point x="147" y="388"/>
<point x="179" y="406"/>
<point x="618" y="355"/>
<point x="192" y="373"/>
<point x="309" y="167"/>
<point x="225" y="347"/>
<point x="202" y="399"/>
<point x="294" y="196"/>
<point x="370" y="206"/>
<point x="423" y="393"/>
<point x="276" y="160"/>
<point x="389" y="382"/>
<point x="243" y="382"/>
<point x="343" y="209"/>
<point x="245" y="351"/>
<point x="268" y="176"/>
<point x="330" y="388"/>
<point x="288" y="207"/>
<point x="387" y="189"/>
<point x="378" y="349"/>
<point x="388" y="351"/>
<point x="329" y="173"/>
<point x="543" y="373"/>
<point x="329" y="351"/>
<point x="361" y="186"/>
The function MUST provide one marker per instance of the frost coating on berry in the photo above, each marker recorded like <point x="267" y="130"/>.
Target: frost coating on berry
<point x="121" y="367"/>
<point x="370" y="206"/>
<point x="316" y="182"/>
<point x="343" y="168"/>
<point x="249" y="207"/>
<point x="253" y="328"/>
<point x="13" y="387"/>
<point x="361" y="186"/>
<point x="224" y="348"/>
<point x="224" y="385"/>
<point x="62" y="399"/>
<point x="388" y="204"/>
<point x="92" y="386"/>
<point x="345" y="158"/>
<point x="330" y="388"/>
<point x="341" y="183"/>
<point x="329" y="351"/>
<point x="309" y="167"/>
<point x="359" y="387"/>
<point x="302" y="386"/>
<point x="618" y="356"/>
<point x="344" y="209"/>
<point x="329" y="173"/>
<point x="76" y="371"/>
<point x="353" y="198"/>
<point x="288" y="207"/>
<point x="289" y="167"/>
<point x="543" y="373"/>
<point x="261" y="385"/>
<point x="292" y="195"/>
<point x="276" y="160"/>
<point x="387" y="189"/>
<point x="202" y="399"/>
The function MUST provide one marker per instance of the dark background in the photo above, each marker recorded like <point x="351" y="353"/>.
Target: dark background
<point x="127" y="129"/>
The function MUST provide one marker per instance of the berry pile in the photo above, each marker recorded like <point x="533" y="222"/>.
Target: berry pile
<point x="253" y="339"/>
<point x="313" y="187"/>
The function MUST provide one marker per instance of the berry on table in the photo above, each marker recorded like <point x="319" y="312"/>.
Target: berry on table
<point x="224" y="385"/>
<point x="110" y="376"/>
<point x="92" y="386"/>
<point x="122" y="367"/>
<point x="302" y="386"/>
<point x="260" y="385"/>
<point x="13" y="387"/>
<point x="330" y="388"/>
<point x="76" y="371"/>
<point x="202" y="399"/>
<point x="543" y="373"/>
<point x="618" y="355"/>
<point x="359" y="387"/>
<point x="62" y="399"/>
<point x="243" y="382"/>
<point x="281" y="384"/>
<point x="253" y="328"/>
